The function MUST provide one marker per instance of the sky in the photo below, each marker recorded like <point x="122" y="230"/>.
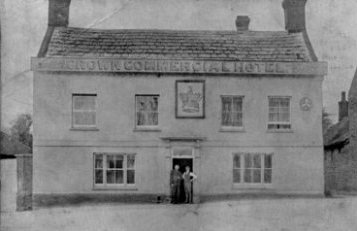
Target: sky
<point x="330" y="23"/>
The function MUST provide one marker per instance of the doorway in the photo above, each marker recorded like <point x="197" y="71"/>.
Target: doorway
<point x="183" y="162"/>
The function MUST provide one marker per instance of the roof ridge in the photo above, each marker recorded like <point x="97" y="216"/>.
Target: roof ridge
<point x="178" y="31"/>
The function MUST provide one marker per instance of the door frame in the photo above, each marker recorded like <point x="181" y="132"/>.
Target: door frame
<point x="194" y="145"/>
<point x="182" y="168"/>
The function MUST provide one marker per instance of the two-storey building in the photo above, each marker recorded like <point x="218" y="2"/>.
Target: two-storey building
<point x="114" y="110"/>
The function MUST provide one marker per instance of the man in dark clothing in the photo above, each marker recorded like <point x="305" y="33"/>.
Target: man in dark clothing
<point x="175" y="181"/>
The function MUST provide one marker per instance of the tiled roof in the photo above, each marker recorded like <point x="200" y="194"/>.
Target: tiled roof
<point x="173" y="44"/>
<point x="337" y="135"/>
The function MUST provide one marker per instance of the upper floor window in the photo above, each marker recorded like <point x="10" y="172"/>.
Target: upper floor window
<point x="147" y="113"/>
<point x="232" y="111"/>
<point x="252" y="168"/>
<point x="84" y="110"/>
<point x="279" y="113"/>
<point x="114" y="169"/>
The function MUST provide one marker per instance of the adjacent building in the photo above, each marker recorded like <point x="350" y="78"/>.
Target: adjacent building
<point x="114" y="110"/>
<point x="340" y="143"/>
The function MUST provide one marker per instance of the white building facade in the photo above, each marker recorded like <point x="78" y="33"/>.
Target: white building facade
<point x="114" y="110"/>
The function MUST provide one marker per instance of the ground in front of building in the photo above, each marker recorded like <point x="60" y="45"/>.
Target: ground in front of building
<point x="285" y="214"/>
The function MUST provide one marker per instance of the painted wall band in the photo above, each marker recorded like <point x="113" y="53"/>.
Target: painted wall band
<point x="176" y="66"/>
<point x="159" y="144"/>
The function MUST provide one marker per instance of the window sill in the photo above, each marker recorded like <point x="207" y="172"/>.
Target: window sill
<point x="147" y="129"/>
<point x="232" y="129"/>
<point x="115" y="188"/>
<point x="84" y="129"/>
<point x="280" y="131"/>
<point x="245" y="186"/>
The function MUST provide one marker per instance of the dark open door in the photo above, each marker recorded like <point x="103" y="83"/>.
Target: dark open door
<point x="182" y="162"/>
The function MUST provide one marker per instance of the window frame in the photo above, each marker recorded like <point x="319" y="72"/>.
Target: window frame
<point x="81" y="126"/>
<point x="242" y="168"/>
<point x="280" y="122"/>
<point x="147" y="127"/>
<point x="231" y="127"/>
<point x="125" y="183"/>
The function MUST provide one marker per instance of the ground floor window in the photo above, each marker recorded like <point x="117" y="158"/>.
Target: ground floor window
<point x="252" y="168"/>
<point x="114" y="169"/>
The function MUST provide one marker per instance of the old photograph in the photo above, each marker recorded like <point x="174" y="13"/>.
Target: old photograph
<point x="178" y="115"/>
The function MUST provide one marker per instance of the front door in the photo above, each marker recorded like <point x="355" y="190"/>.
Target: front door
<point x="184" y="154"/>
<point x="182" y="162"/>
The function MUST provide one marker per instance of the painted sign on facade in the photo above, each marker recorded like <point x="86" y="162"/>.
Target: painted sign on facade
<point x="190" y="99"/>
<point x="176" y="66"/>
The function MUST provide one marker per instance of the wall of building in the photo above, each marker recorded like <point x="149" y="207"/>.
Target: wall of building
<point x="61" y="154"/>
<point x="63" y="170"/>
<point x="340" y="171"/>
<point x="70" y="170"/>
<point x="24" y="182"/>
<point x="295" y="171"/>
<point x="116" y="108"/>
<point x="8" y="179"/>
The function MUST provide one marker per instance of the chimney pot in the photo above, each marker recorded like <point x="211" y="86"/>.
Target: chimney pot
<point x="242" y="23"/>
<point x="58" y="12"/>
<point x="294" y="11"/>
<point x="342" y="107"/>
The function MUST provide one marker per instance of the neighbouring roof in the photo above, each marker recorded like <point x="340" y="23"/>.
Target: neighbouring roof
<point x="277" y="46"/>
<point x="10" y="146"/>
<point x="337" y="136"/>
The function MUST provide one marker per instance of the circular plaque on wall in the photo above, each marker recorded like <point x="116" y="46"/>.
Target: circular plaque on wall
<point x="305" y="104"/>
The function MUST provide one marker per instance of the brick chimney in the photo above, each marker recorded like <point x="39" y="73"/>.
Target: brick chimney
<point x="342" y="107"/>
<point x="294" y="11"/>
<point x="242" y="23"/>
<point x="58" y="12"/>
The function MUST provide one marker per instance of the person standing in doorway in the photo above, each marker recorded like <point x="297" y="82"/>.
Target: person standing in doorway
<point x="188" y="178"/>
<point x="175" y="181"/>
